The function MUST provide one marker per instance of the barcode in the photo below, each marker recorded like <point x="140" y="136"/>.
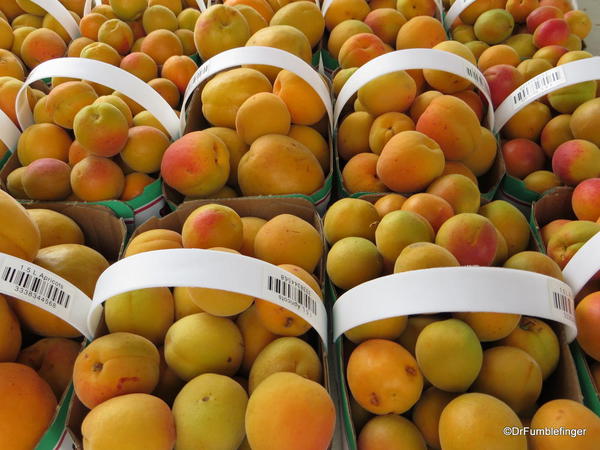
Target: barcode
<point x="562" y="302"/>
<point x="538" y="84"/>
<point x="291" y="292"/>
<point x="36" y="286"/>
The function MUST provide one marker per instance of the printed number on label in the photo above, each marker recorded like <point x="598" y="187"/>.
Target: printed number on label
<point x="475" y="76"/>
<point x="36" y="286"/>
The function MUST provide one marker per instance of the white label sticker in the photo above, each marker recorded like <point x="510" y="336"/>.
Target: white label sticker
<point x="561" y="299"/>
<point x="455" y="289"/>
<point x="210" y="269"/>
<point x="538" y="86"/>
<point x="35" y="285"/>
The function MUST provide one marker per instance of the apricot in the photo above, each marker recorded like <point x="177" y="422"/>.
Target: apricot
<point x="220" y="28"/>
<point x="341" y="11"/>
<point x="140" y="65"/>
<point x="498" y="54"/>
<point x="583" y="122"/>
<point x="556" y="132"/>
<point x="575" y="161"/>
<point x="157" y="239"/>
<point x="279" y="165"/>
<point x="282" y="321"/>
<point x="528" y="123"/>
<point x="256" y="336"/>
<point x="471" y="238"/>
<point x="350" y="217"/>
<point x="445" y="82"/>
<point x="494" y="26"/>
<point x="101" y="129"/>
<point x="435" y="209"/>
<point x="20" y="234"/>
<point x="144" y="149"/>
<point x="160" y="45"/>
<point x="90" y="24"/>
<point x="440" y="122"/>
<point x="421" y="102"/>
<point x="377" y="358"/>
<point x="352" y="261"/>
<point x="253" y="18"/>
<point x="212" y="225"/>
<point x="104" y="53"/>
<point x="478" y="419"/>
<point x="420" y="32"/>
<point x="427" y="411"/>
<point x="477" y="47"/>
<point x="270" y="426"/>
<point x="462" y="194"/>
<point x="566" y="100"/>
<point x="305" y="16"/>
<point x="389" y="203"/>
<point x="510" y="222"/>
<point x="399" y="229"/>
<point x="128" y="9"/>
<point x="28" y="406"/>
<point x="410" y="161"/>
<point x="56" y="228"/>
<point x="95" y="179"/>
<point x="360" y="174"/>
<point x="158" y="17"/>
<point x="359" y="49"/>
<point x="179" y="70"/>
<point x="9" y="88"/>
<point x="353" y="134"/>
<point x="261" y="114"/>
<point x="565" y="414"/>
<point x="390" y="431"/>
<point x="47" y="179"/>
<point x="216" y="420"/>
<point x="584" y="200"/>
<point x="481" y="160"/>
<point x="314" y="141"/>
<point x="423" y="255"/>
<point x="10" y="331"/>
<point x="304" y="105"/>
<point x="586" y="312"/>
<point x="579" y="23"/>
<point x="385" y="23"/>
<point x="342" y="32"/>
<point x="184" y="305"/>
<point x="44" y="140"/>
<point x="224" y="94"/>
<point x="117" y="34"/>
<point x="533" y="67"/>
<point x="390" y="328"/>
<point x="42" y="45"/>
<point x="537" y="339"/>
<point x="220" y="338"/>
<point x="11" y="66"/>
<point x="236" y="147"/>
<point x="283" y="37"/>
<point x="393" y="92"/>
<point x="196" y="164"/>
<point x="548" y="230"/>
<point x="385" y="127"/>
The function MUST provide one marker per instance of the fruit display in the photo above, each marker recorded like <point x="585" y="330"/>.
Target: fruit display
<point x="564" y="221"/>
<point x="261" y="364"/>
<point x="274" y="113"/>
<point x="417" y="376"/>
<point x="69" y="246"/>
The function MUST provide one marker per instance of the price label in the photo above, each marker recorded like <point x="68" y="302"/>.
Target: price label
<point x="538" y="86"/>
<point x="561" y="300"/>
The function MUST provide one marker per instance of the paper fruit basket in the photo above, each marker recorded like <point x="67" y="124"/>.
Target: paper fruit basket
<point x="136" y="210"/>
<point x="544" y="116"/>
<point x="387" y="167"/>
<point x="42" y="300"/>
<point x="214" y="90"/>
<point x="548" y="214"/>
<point x="214" y="352"/>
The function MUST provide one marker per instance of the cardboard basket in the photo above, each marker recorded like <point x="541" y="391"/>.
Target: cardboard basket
<point x="417" y="59"/>
<point x="207" y="268"/>
<point x="193" y="119"/>
<point x="103" y="232"/>
<point x="556" y="204"/>
<point x="513" y="189"/>
<point x="150" y="202"/>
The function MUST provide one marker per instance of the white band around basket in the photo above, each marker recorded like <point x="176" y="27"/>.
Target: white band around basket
<point x="583" y="265"/>
<point x="210" y="269"/>
<point x="61" y="14"/>
<point x="456" y="289"/>
<point x="9" y="133"/>
<point x="105" y="74"/>
<point x="35" y="285"/>
<point x="545" y="83"/>
<point x="413" y="59"/>
<point x="258" y="55"/>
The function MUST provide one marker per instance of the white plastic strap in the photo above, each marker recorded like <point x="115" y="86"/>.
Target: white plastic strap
<point x="456" y="10"/>
<point x="105" y="74"/>
<point x="544" y="83"/>
<point x="62" y="14"/>
<point x="413" y="59"/>
<point x="35" y="285"/>
<point x="203" y="6"/>
<point x="456" y="289"/>
<point x="89" y="5"/>
<point x="9" y="133"/>
<point x="583" y="265"/>
<point x="258" y="55"/>
<point x="210" y="269"/>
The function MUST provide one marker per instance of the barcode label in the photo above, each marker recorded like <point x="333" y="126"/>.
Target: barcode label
<point x="40" y="287"/>
<point x="292" y="293"/>
<point x="539" y="85"/>
<point x="561" y="300"/>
